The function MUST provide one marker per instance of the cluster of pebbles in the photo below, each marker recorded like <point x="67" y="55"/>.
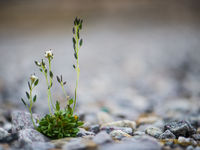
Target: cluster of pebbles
<point x="148" y="131"/>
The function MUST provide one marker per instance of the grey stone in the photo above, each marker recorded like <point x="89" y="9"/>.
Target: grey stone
<point x="123" y="123"/>
<point x="118" y="134"/>
<point x="31" y="135"/>
<point x="138" y="133"/>
<point x="79" y="144"/>
<point x="153" y="131"/>
<point x="3" y="133"/>
<point x="82" y="132"/>
<point x="102" y="137"/>
<point x="22" y="120"/>
<point x="167" y="135"/>
<point x="124" y="129"/>
<point x="95" y="128"/>
<point x="186" y="141"/>
<point x="135" y="143"/>
<point x="180" y="128"/>
<point x="190" y="147"/>
<point x="196" y="137"/>
<point x="197" y="148"/>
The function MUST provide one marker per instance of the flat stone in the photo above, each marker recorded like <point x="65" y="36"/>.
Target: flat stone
<point x="186" y="141"/>
<point x="3" y="133"/>
<point x="153" y="131"/>
<point x="118" y="134"/>
<point x="167" y="135"/>
<point x="80" y="144"/>
<point x="31" y="135"/>
<point x="102" y="138"/>
<point x="180" y="128"/>
<point x="123" y="123"/>
<point x="22" y="120"/>
<point x="147" y="119"/>
<point x="135" y="143"/>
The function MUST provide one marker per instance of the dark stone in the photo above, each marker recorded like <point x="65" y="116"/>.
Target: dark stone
<point x="9" y="139"/>
<point x="167" y="135"/>
<point x="95" y="128"/>
<point x="196" y="137"/>
<point x="180" y="128"/>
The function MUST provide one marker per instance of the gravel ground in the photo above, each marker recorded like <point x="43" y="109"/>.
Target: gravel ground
<point x="138" y="63"/>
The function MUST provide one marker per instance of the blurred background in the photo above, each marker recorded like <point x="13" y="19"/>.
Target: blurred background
<point x="136" y="54"/>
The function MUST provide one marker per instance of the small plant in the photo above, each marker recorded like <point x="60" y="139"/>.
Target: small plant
<point x="59" y="122"/>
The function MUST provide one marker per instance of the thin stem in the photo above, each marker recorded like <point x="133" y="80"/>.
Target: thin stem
<point x="31" y="104"/>
<point x="50" y="85"/>
<point x="77" y="68"/>
<point x="48" y="93"/>
<point x="63" y="90"/>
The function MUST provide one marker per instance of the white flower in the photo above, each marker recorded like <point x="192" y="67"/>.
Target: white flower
<point x="48" y="54"/>
<point x="33" y="78"/>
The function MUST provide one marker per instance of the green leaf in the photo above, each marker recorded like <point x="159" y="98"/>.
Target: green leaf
<point x="58" y="79"/>
<point x="51" y="74"/>
<point x="34" y="98"/>
<point x="23" y="101"/>
<point x="36" y="82"/>
<point x="74" y="41"/>
<point x="70" y="101"/>
<point x="57" y="106"/>
<point x="81" y="42"/>
<point x="74" y="66"/>
<point x="27" y="95"/>
<point x="29" y="85"/>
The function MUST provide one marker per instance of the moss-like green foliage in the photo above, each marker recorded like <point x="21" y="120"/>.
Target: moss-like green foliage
<point x="61" y="124"/>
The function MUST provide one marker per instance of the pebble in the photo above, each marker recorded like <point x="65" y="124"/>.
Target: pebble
<point x="138" y="133"/>
<point x="82" y="132"/>
<point x="95" y="128"/>
<point x="167" y="135"/>
<point x="31" y="135"/>
<point x="147" y="119"/>
<point x="196" y="137"/>
<point x="123" y="123"/>
<point x="180" y="128"/>
<point x="186" y="141"/>
<point x="190" y="147"/>
<point x="124" y="129"/>
<point x="3" y="133"/>
<point x="22" y="120"/>
<point x="153" y="131"/>
<point x="80" y="144"/>
<point x="118" y="134"/>
<point x="102" y="137"/>
<point x="104" y="117"/>
<point x="135" y="143"/>
<point x="10" y="138"/>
